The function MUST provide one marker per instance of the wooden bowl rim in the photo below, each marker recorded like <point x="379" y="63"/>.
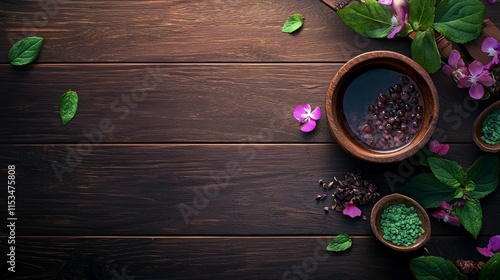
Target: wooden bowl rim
<point x="388" y="60"/>
<point x="478" y="125"/>
<point x="397" y="198"/>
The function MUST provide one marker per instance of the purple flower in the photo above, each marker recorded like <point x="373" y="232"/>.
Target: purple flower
<point x="476" y="80"/>
<point x="456" y="66"/>
<point x="444" y="214"/>
<point x="438" y="148"/>
<point x="492" y="248"/>
<point x="492" y="1"/>
<point x="400" y="19"/>
<point x="491" y="48"/>
<point x="303" y="114"/>
<point x="351" y="210"/>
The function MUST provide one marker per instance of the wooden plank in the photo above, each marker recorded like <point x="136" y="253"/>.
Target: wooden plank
<point x="221" y="258"/>
<point x="215" y="30"/>
<point x="171" y="103"/>
<point x="199" y="189"/>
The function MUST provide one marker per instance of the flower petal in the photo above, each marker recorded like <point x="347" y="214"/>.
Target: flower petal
<point x="455" y="60"/>
<point x="453" y="220"/>
<point x="394" y="31"/>
<point x="476" y="91"/>
<point x="308" y="126"/>
<point x="351" y="210"/>
<point x="439" y="214"/>
<point x="486" y="79"/>
<point x="489" y="43"/>
<point x="476" y="68"/>
<point x="494" y="243"/>
<point x="385" y="2"/>
<point x="447" y="69"/>
<point x="485" y="252"/>
<point x="438" y="148"/>
<point x="316" y="114"/>
<point x="445" y="206"/>
<point x="298" y="112"/>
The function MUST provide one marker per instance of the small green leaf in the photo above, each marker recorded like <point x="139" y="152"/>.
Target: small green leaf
<point x="427" y="190"/>
<point x="370" y="19"/>
<point x="448" y="172"/>
<point x="459" y="193"/>
<point x="424" y="51"/>
<point x="469" y="186"/>
<point x="434" y="268"/>
<point x="471" y="216"/>
<point x="422" y="14"/>
<point x="484" y="173"/>
<point x="293" y="23"/>
<point x="340" y="243"/>
<point x="68" y="106"/>
<point x="25" y="50"/>
<point x="491" y="269"/>
<point x="459" y="21"/>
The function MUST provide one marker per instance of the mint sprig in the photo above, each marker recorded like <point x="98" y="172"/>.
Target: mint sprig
<point x="459" y="21"/>
<point x="448" y="182"/>
<point x="431" y="267"/>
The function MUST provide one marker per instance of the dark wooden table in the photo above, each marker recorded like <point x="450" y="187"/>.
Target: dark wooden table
<point x="184" y="160"/>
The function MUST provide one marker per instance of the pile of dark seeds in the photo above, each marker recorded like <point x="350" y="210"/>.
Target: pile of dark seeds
<point x="394" y="118"/>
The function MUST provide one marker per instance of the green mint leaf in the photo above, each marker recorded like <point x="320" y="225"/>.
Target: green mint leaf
<point x="459" y="193"/>
<point x="471" y="216"/>
<point x="470" y="186"/>
<point x="421" y="14"/>
<point x="370" y="19"/>
<point x="434" y="268"/>
<point x="448" y="172"/>
<point x="68" y="106"/>
<point x="340" y="243"/>
<point x="484" y="173"/>
<point x="293" y="23"/>
<point x="491" y="269"/>
<point x="427" y="190"/>
<point x="424" y="51"/>
<point x="25" y="50"/>
<point x="459" y="21"/>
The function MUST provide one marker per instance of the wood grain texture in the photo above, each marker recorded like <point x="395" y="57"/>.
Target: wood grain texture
<point x="223" y="258"/>
<point x="199" y="189"/>
<point x="172" y="103"/>
<point x="166" y="31"/>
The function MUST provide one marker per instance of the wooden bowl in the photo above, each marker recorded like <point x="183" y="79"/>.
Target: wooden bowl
<point x="478" y="125"/>
<point x="392" y="199"/>
<point x="380" y="60"/>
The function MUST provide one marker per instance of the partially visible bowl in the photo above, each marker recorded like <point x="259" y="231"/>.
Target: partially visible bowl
<point x="337" y="120"/>
<point x="388" y="200"/>
<point x="477" y="127"/>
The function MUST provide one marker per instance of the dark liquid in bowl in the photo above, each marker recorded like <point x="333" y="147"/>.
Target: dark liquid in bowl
<point x="384" y="109"/>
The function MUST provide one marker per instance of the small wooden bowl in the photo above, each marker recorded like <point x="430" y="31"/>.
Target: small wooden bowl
<point x="478" y="125"/>
<point x="380" y="60"/>
<point x="392" y="199"/>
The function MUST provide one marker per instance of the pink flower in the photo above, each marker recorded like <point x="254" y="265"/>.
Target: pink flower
<point x="492" y="1"/>
<point x="492" y="248"/>
<point x="438" y="148"/>
<point x="303" y="114"/>
<point x="400" y="19"/>
<point x="351" y="210"/>
<point x="491" y="48"/>
<point x="456" y="66"/>
<point x="477" y="79"/>
<point x="443" y="214"/>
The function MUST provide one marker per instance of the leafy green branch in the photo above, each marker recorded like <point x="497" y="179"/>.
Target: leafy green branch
<point x="431" y="267"/>
<point x="459" y="21"/>
<point x="448" y="182"/>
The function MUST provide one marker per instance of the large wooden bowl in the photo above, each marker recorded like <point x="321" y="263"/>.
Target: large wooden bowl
<point x="392" y="199"/>
<point x="478" y="125"/>
<point x="378" y="60"/>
